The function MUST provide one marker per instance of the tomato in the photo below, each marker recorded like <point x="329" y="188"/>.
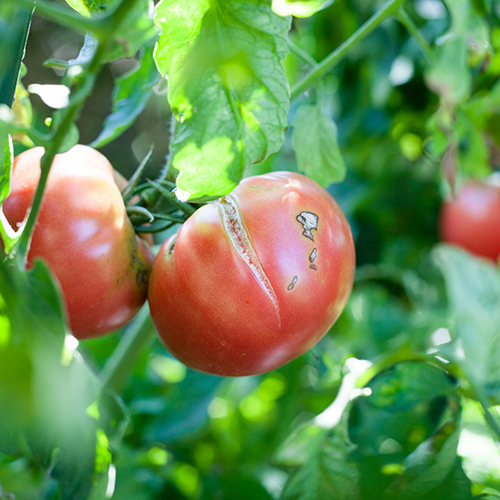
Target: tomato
<point x="254" y="279"/>
<point x="472" y="220"/>
<point x="85" y="236"/>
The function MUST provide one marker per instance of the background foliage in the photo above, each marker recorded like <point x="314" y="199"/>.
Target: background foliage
<point x="400" y="399"/>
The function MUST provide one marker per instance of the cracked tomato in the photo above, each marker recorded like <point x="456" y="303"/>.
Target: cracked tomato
<point x="254" y="279"/>
<point x="472" y="219"/>
<point x="85" y="236"/>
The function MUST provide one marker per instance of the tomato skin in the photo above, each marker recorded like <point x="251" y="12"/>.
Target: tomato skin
<point x="217" y="314"/>
<point x="83" y="233"/>
<point x="472" y="220"/>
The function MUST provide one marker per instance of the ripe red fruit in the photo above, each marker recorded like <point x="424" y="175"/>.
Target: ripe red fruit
<point x="85" y="236"/>
<point x="472" y="220"/>
<point x="255" y="279"/>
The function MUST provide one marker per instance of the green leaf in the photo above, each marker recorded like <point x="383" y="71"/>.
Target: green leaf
<point x="87" y="7"/>
<point x="80" y="6"/>
<point x="301" y="445"/>
<point x="429" y="465"/>
<point x="130" y="96"/>
<point x="328" y="473"/>
<point x="473" y="289"/>
<point x="49" y="398"/>
<point x="316" y="148"/>
<point x="6" y="159"/>
<point x="227" y="88"/>
<point x="300" y="8"/>
<point x="402" y="430"/>
<point x="449" y="74"/>
<point x="134" y="31"/>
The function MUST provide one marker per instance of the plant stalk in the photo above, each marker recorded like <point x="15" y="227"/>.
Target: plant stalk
<point x="119" y="365"/>
<point x="410" y="26"/>
<point x="301" y="54"/>
<point x="68" y="116"/>
<point x="337" y="55"/>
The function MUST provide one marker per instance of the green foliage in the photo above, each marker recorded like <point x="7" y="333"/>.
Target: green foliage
<point x="412" y="105"/>
<point x="227" y="89"/>
<point x="51" y="402"/>
<point x="130" y="96"/>
<point x="328" y="473"/>
<point x="299" y="8"/>
<point x="87" y="7"/>
<point x="316" y="147"/>
<point x="473" y="286"/>
<point x="136" y="30"/>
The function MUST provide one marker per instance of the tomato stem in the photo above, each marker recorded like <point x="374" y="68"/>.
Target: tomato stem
<point x="301" y="54"/>
<point x="119" y="365"/>
<point x="64" y="119"/>
<point x="318" y="71"/>
<point x="410" y="26"/>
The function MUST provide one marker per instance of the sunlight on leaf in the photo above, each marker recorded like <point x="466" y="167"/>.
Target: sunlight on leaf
<point x="300" y="8"/>
<point x="227" y="88"/>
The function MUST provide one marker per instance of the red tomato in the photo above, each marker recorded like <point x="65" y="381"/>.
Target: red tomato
<point x="255" y="279"/>
<point x="85" y="236"/>
<point x="472" y="220"/>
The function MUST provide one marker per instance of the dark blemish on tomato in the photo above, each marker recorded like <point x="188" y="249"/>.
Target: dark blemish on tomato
<point x="171" y="245"/>
<point x="309" y="222"/>
<point x="313" y="256"/>
<point x="293" y="283"/>
<point x="313" y="267"/>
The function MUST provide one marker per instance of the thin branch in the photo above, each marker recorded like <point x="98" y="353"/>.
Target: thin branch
<point x="408" y="23"/>
<point x="119" y="365"/>
<point x="338" y="54"/>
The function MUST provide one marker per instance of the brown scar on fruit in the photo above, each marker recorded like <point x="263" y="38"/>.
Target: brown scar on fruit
<point x="309" y="222"/>
<point x="313" y="256"/>
<point x="240" y="239"/>
<point x="313" y="267"/>
<point x="293" y="283"/>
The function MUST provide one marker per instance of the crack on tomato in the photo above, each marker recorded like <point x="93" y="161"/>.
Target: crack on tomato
<point x="309" y="222"/>
<point x="239" y="237"/>
<point x="293" y="283"/>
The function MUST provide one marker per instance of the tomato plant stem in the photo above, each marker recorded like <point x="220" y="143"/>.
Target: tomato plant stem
<point x="121" y="362"/>
<point x="301" y="54"/>
<point x="337" y="55"/>
<point x="62" y="127"/>
<point x="61" y="14"/>
<point x="408" y="23"/>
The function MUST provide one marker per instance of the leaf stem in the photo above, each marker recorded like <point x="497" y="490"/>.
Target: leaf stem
<point x="408" y="23"/>
<point x="62" y="15"/>
<point x="337" y="55"/>
<point x="119" y="365"/>
<point x="66" y="118"/>
<point x="301" y="54"/>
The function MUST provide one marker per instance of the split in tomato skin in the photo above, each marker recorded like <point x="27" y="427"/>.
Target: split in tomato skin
<point x="255" y="279"/>
<point x="472" y="219"/>
<point x="84" y="235"/>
